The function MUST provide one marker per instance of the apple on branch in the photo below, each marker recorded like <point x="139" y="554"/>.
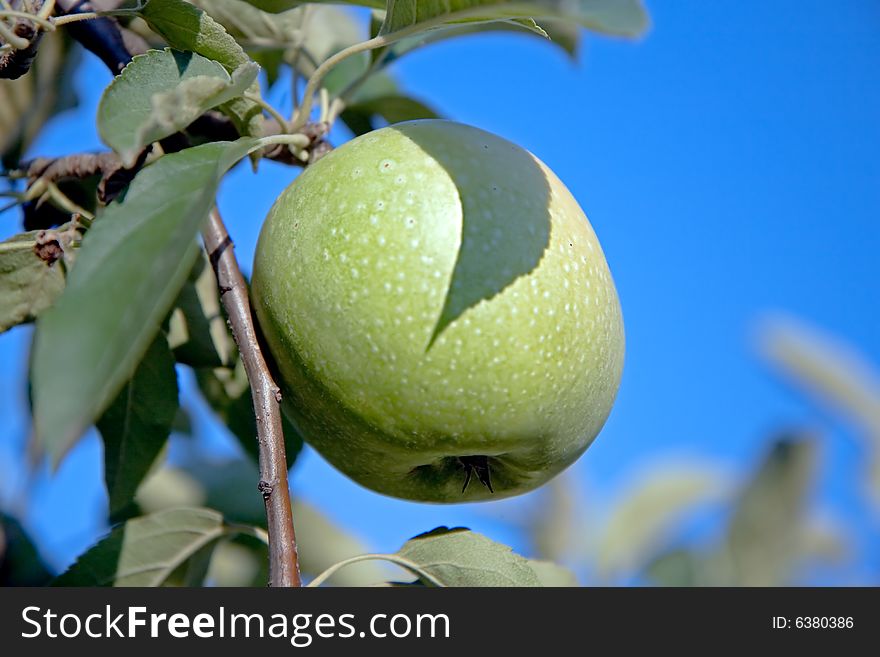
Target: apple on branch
<point x="442" y="317"/>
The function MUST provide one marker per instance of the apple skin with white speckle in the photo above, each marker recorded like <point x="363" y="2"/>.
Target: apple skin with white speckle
<point x="434" y="297"/>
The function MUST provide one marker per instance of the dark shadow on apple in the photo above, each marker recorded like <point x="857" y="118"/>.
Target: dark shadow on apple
<point x="505" y="198"/>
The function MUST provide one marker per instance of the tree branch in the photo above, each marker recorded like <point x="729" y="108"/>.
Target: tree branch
<point x="283" y="563"/>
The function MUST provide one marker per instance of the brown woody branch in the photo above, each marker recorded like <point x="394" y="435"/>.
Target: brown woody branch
<point x="283" y="563"/>
<point x="212" y="126"/>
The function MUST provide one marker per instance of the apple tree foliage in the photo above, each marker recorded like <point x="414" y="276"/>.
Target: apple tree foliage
<point x="110" y="272"/>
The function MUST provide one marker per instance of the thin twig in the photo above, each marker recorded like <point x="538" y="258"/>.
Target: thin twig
<point x="84" y="16"/>
<point x="283" y="564"/>
<point x="379" y="41"/>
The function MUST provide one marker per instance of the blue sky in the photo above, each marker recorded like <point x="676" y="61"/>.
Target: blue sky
<point x="728" y="163"/>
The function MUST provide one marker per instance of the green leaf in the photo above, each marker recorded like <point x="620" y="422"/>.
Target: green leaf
<point x="563" y="34"/>
<point x="327" y="30"/>
<point x="361" y="117"/>
<point x="243" y="562"/>
<point x="186" y="27"/>
<point x="162" y="92"/>
<point x="32" y="273"/>
<point x="460" y="557"/>
<point x="768" y="522"/>
<point x="680" y="568"/>
<point x="145" y="551"/>
<point x="379" y="97"/>
<point x="20" y="562"/>
<point x="617" y="17"/>
<point x="168" y="488"/>
<point x="559" y="33"/>
<point x="302" y="37"/>
<point x="254" y="29"/>
<point x="192" y="572"/>
<point x="551" y="574"/>
<point x="137" y="424"/>
<point x="275" y="6"/>
<point x="647" y="513"/>
<point x="557" y="521"/>
<point x="198" y="333"/>
<point x="132" y="264"/>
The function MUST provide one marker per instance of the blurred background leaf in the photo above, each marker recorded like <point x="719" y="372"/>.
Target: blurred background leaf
<point x="648" y="511"/>
<point x="231" y="488"/>
<point x="833" y="373"/>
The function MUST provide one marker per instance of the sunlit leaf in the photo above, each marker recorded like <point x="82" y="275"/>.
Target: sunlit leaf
<point x="551" y="574"/>
<point x="327" y="31"/>
<point x="186" y="27"/>
<point x="162" y="92"/>
<point x="283" y="5"/>
<point x="617" y="17"/>
<point x="460" y="557"/>
<point x="561" y="33"/>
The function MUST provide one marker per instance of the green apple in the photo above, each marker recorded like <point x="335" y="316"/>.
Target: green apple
<point x="440" y="312"/>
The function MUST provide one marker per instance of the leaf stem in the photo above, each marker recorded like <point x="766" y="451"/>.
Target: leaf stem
<point x="42" y="22"/>
<point x="302" y="116"/>
<point x="274" y="113"/>
<point x="397" y="560"/>
<point x="249" y="530"/>
<point x="47" y="9"/>
<point x="84" y="16"/>
<point x="305" y="110"/>
<point x="12" y="39"/>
